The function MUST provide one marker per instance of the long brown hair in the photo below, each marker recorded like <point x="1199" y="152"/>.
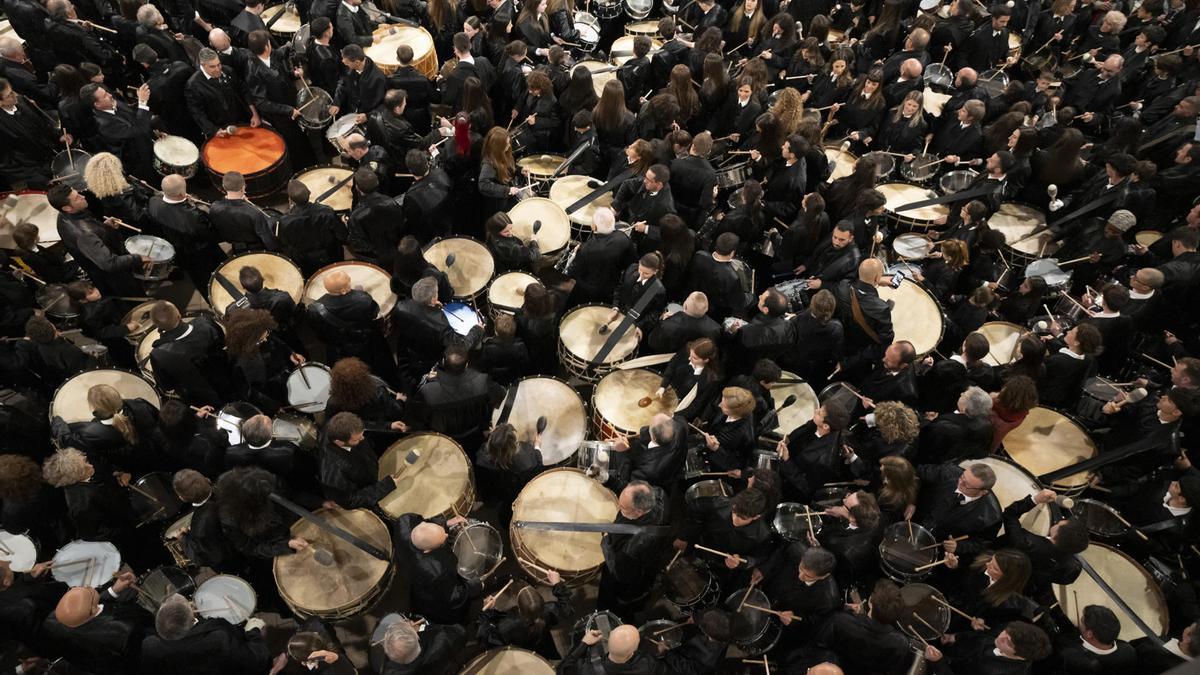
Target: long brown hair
<point x="497" y="150"/>
<point x="680" y="85"/>
<point x="900" y="483"/>
<point x="502" y="445"/>
<point x="1016" y="569"/>
<point x="609" y="113"/>
<point x="756" y="21"/>
<point x="439" y="12"/>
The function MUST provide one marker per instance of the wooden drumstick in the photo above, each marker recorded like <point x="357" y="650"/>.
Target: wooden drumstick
<point x="30" y="275"/>
<point x="1074" y="260"/>
<point x="89" y="24"/>
<point x="307" y="103"/>
<point x="1128" y="524"/>
<point x="1151" y="359"/>
<point x="763" y="609"/>
<point x="124" y="224"/>
<point x="491" y="602"/>
<point x="70" y="157"/>
<point x="931" y="565"/>
<point x="668" y="629"/>
<point x="673" y="559"/>
<point x="142" y="492"/>
<point x="539" y="568"/>
<point x="697" y="428"/>
<point x="910" y="532"/>
<point x="1039" y="615"/>
<point x="760" y="662"/>
<point x="747" y="593"/>
<point x="234" y="604"/>
<point x="954" y="609"/>
<point x="913" y="631"/>
<point x="714" y="551"/>
<point x="922" y="620"/>
<point x="926" y="548"/>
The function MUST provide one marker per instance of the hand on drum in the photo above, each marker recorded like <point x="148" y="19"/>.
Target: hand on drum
<point x="593" y="636"/>
<point x="1045" y="497"/>
<point x="330" y="504"/>
<point x="255" y="120"/>
<point x="125" y="579"/>
<point x="812" y="540"/>
<point x="297" y="544"/>
<point x="334" y="110"/>
<point x="40" y="568"/>
<point x="321" y="655"/>
<point x="932" y="654"/>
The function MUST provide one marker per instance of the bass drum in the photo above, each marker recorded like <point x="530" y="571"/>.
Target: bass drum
<point x="70" y="401"/>
<point x="1131" y="582"/>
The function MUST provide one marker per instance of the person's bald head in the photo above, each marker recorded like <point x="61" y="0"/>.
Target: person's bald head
<point x="911" y="69"/>
<point x="824" y="669"/>
<point x="428" y="536"/>
<point x="870" y="270"/>
<point x="337" y="283"/>
<point x="218" y="39"/>
<point x="174" y="186"/>
<point x="622" y="643"/>
<point x="77" y="606"/>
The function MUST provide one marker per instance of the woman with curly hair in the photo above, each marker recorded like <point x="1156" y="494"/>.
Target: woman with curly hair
<point x="261" y="359"/>
<point x="28" y="504"/>
<point x="252" y="524"/>
<point x="788" y="110"/>
<point x="353" y="388"/>
<point x="97" y="508"/>
<point x="105" y="178"/>
<point x="123" y="433"/>
<point x="894" y="435"/>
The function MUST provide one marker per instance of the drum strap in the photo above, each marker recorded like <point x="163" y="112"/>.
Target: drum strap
<point x="277" y="16"/>
<point x="592" y="196"/>
<point x="239" y="297"/>
<point x="1108" y="590"/>
<point x="1112" y="196"/>
<point x="566" y="164"/>
<point x="510" y="398"/>
<point x="1162" y="525"/>
<point x="981" y="191"/>
<point x="861" y="320"/>
<point x="333" y="190"/>
<point x="607" y="528"/>
<point x="655" y="286"/>
<point x="332" y="529"/>
<point x="1090" y="465"/>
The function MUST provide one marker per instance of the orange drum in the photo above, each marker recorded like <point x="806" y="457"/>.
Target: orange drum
<point x="387" y="38"/>
<point x="258" y="153"/>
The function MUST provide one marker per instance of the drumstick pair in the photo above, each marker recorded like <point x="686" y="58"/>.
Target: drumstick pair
<point x="714" y="551"/>
<point x="124" y="224"/>
<point x="956" y="610"/>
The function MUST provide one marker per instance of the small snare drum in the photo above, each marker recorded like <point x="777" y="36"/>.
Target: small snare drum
<point x="225" y="596"/>
<point x="340" y="130"/>
<point x="308" y="387"/>
<point x="86" y="563"/>
<point x="912" y="246"/>
<point x="479" y="550"/>
<point x="160" y="252"/>
<point x="176" y="154"/>
<point x="906" y="547"/>
<point x="18" y="550"/>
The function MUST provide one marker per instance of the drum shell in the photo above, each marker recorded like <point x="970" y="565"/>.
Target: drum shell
<point x="884" y="165"/>
<point x="956" y="181"/>
<point x="702" y="492"/>
<point x="58" y="306"/>
<point x="1090" y="409"/>
<point x="492" y="556"/>
<point x="638" y="9"/>
<point x="550" y="494"/>
<point x="791" y="524"/>
<point x="733" y="176"/>
<point x="259" y="182"/>
<point x="155" y="588"/>
<point x="167" y="165"/>
<point x="920" y="218"/>
<point x="647" y="28"/>
<point x="316" y="115"/>
<point x="160" y="267"/>
<point x="607" y="9"/>
<point x="922" y="170"/>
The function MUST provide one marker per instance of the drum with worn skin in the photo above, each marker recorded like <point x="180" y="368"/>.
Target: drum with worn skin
<point x="921" y="169"/>
<point x="339" y="131"/>
<point x="277" y="271"/>
<point x="479" y="550"/>
<point x="1002" y="337"/>
<point x="551" y="221"/>
<point x="176" y="154"/>
<point x="1012" y="485"/>
<point x="370" y="278"/>
<point x="86" y="563"/>
<point x="284" y="26"/>
<point x="1130" y="580"/>
<point x="506" y="661"/>
<point x="506" y="293"/>
<point x="259" y="153"/>
<point x="29" y="207"/>
<point x="160" y="252"/>
<point x="622" y="48"/>
<point x="900" y="194"/>
<point x="1147" y="237"/>
<point x="18" y="550"/>
<point x="308" y="387"/>
<point x="647" y="28"/>
<point x="912" y="246"/>
<point x="387" y="38"/>
<point x="841" y="162"/>
<point x="437" y="479"/>
<point x="563" y="495"/>
<point x="140" y="317"/>
<point x="569" y="189"/>
<point x="560" y="404"/>
<point x="332" y="186"/>
<point x="689" y="583"/>
<point x="349" y="585"/>
<point x="588" y="27"/>
<point x="905" y="549"/>
<point x="580" y="340"/>
<point x="799" y="412"/>
<point x="1047" y="441"/>
<point x="1017" y="223"/>
<point x="617" y="400"/>
<point x="70" y="401"/>
<point x="916" y="316"/>
<point x="161" y="583"/>
<point x="229" y="597"/>
<point x="467" y="263"/>
<point x="541" y="167"/>
<point x="602" y="72"/>
<point x="934" y="101"/>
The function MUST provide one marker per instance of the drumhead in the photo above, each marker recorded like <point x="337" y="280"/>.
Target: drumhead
<point x="308" y="387"/>
<point x="33" y="207"/>
<point x="342" y="126"/>
<point x="22" y="554"/>
<point x="921" y="600"/>
<point x="624" y="46"/>
<point x="437" y="481"/>
<point x="1017" y="221"/>
<point x="1130" y="580"/>
<point x="70" y="401"/>
<point x="372" y="278"/>
<point x="287" y="24"/>
<point x="916" y="316"/>
<point x="1147" y="237"/>
<point x="912" y="246"/>
<point x="1002" y="337"/>
<point x="555" y="229"/>
<point x="277" y="271"/>
<point x="902" y="549"/>
<point x="899" y="194"/>
<point x="934" y="101"/>
<point x="617" y="395"/>
<point x="323" y="179"/>
<point x="472" y="267"/>
<point x="506" y="293"/>
<point x="1012" y="485"/>
<point x="566" y="417"/>
<point x="746" y="623"/>
<point x="579" y="332"/>
<point x="161" y="503"/>
<point x="249" y="150"/>
<point x="86" y="563"/>
<point x="1101" y="519"/>
<point x="176" y="151"/>
<point x="569" y="189"/>
<point x="1101" y="388"/>
<point x="799" y="413"/>
<point x="540" y="166"/>
<point x="315" y="115"/>
<point x="479" y="550"/>
<point x="354" y="577"/>
<point x="1048" y="440"/>
<point x="225" y="596"/>
<point x="157" y="249"/>
<point x="563" y="495"/>
<point x="508" y="660"/>
<point x="388" y="38"/>
<point x="840" y="161"/>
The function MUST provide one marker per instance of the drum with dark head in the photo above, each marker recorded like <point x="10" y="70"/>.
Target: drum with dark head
<point x="750" y="628"/>
<point x="1101" y="519"/>
<point x="1097" y="391"/>
<point x="905" y="549"/>
<point x="794" y="522"/>
<point x="153" y="498"/>
<point x="925" y="613"/>
<point x="161" y="583"/>
<point x="688" y="583"/>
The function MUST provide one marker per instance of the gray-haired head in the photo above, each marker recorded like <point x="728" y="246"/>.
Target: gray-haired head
<point x="175" y="617"/>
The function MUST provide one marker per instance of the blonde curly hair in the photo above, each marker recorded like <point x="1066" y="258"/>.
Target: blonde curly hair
<point x="896" y="422"/>
<point x="67" y="466"/>
<point x="788" y="111"/>
<point x="105" y="175"/>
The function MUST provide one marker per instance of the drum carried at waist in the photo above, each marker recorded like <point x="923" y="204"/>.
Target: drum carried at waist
<point x="435" y="480"/>
<point x="350" y="584"/>
<point x="160" y="252"/>
<point x="467" y="263"/>
<point x="901" y="194"/>
<point x="332" y="186"/>
<point x="176" y="154"/>
<point x="560" y="404"/>
<point x="543" y="220"/>
<point x="567" y="190"/>
<point x="562" y="495"/>
<point x="905" y="550"/>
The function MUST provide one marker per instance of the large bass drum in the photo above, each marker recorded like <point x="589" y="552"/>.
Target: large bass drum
<point x="345" y="588"/>
<point x="565" y="495"/>
<point x="70" y="401"/>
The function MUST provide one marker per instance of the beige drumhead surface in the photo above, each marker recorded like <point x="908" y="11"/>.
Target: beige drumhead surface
<point x="33" y="207"/>
<point x="1048" y="440"/>
<point x="916" y="316"/>
<point x="566" y="418"/>
<point x="278" y="272"/>
<point x="141" y="316"/>
<point x="431" y="485"/>
<point x="598" y="79"/>
<point x="1147" y="237"/>
<point x="565" y="495"/>
<point x="1015" y="222"/>
<point x="934" y="102"/>
<point x="70" y="401"/>
<point x="841" y="160"/>
<point x="569" y="189"/>
<point x="1130" y="580"/>
<point x="617" y="394"/>
<point x="288" y="23"/>
<point x="625" y="44"/>
<point x="580" y="333"/>
<point x="473" y="266"/>
<point x="1013" y="485"/>
<point x="371" y="278"/>
<point x="799" y="413"/>
<point x="388" y="38"/>
<point x="176" y="150"/>
<point x="899" y="194"/>
<point x="353" y="576"/>
<point x="509" y="289"/>
<point x="555" y="231"/>
<point x="508" y="661"/>
<point x="322" y="179"/>
<point x="1003" y="337"/>
<point x="541" y="165"/>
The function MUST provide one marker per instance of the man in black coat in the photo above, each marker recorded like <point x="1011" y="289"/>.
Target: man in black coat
<point x="457" y="400"/>
<point x="189" y="645"/>
<point x="733" y="526"/>
<point x="99" y="630"/>
<point x="216" y="98"/>
<point x="631" y="560"/>
<point x="259" y="448"/>
<point x="311" y="234"/>
<point x="421" y="92"/>
<point x="344" y="319"/>
<point x="71" y="42"/>
<point x="354" y="25"/>
<point x="375" y="224"/>
<point x="866" y="318"/>
<point x="625" y="653"/>
<point x="1012" y="652"/>
<point x="93" y="245"/>
<point x="348" y="467"/>
<point x="204" y="543"/>
<point x="692" y="181"/>
<point x="680" y="328"/>
<point x="767" y="336"/>
<point x="965" y="433"/>
<point x="787" y="182"/>
<point x="893" y="378"/>
<point x="30" y="140"/>
<point x="413" y="649"/>
<point x="362" y="86"/>
<point x="26" y="599"/>
<point x="713" y="274"/>
<point x="426" y="201"/>
<point x="600" y="260"/>
<point x="673" y="51"/>
<point x="956" y="501"/>
<point x="168" y="86"/>
<point x="124" y="131"/>
<point x="655" y="455"/>
<point x="324" y="62"/>
<point x="1153" y="659"/>
<point x="16" y="67"/>
<point x="812" y="454"/>
<point x="247" y="21"/>
<point x="468" y="66"/>
<point x="1098" y="650"/>
<point x="238" y="221"/>
<point x="189" y="357"/>
<point x="427" y="332"/>
<point x="389" y="126"/>
<point x="643" y="201"/>
<point x="271" y="90"/>
<point x="834" y="260"/>
<point x="987" y="47"/>
<point x="960" y="137"/>
<point x="436" y="590"/>
<point x="869" y="642"/>
<point x="635" y="73"/>
<point x="801" y="586"/>
<point x="1052" y="557"/>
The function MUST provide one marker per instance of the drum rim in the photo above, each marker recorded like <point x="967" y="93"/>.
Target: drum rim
<point x="736" y="597"/>
<point x="474" y="666"/>
<point x="941" y="312"/>
<point x="470" y="483"/>
<point x="888" y="566"/>
<point x="243" y="128"/>
<point x="470" y="297"/>
<point x="332" y="266"/>
<point x="212" y="278"/>
<point x="294" y="373"/>
<point x="153" y="386"/>
<point x="509" y="274"/>
<point x="514" y="531"/>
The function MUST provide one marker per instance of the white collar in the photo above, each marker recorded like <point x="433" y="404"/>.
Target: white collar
<point x="353" y="8"/>
<point x="208" y="77"/>
<point x="1175" y="510"/>
<point x="967" y="499"/>
<point x="959" y="358"/>
<point x="467" y="59"/>
<point x="697" y="371"/>
<point x="203" y="501"/>
<point x="1068" y="352"/>
<point x="228" y="50"/>
<point x="266" y="62"/>
<point x="1135" y="295"/>
<point x="258" y="447"/>
<point x="113" y="111"/>
<point x="651" y="445"/>
<point x="1106" y="315"/>
<point x="1172" y="646"/>
<point x="168" y="200"/>
<point x="10" y="111"/>
<point x="187" y="331"/>
<point x="1096" y="650"/>
<point x="108" y="422"/>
